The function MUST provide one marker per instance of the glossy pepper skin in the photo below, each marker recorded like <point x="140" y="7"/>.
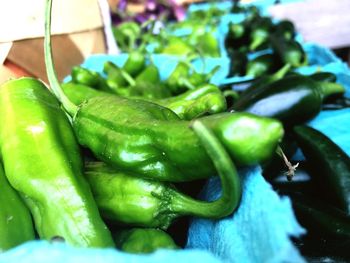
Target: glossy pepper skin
<point x="207" y="99"/>
<point x="293" y="99"/>
<point x="151" y="141"/>
<point x="289" y="51"/>
<point x="261" y="65"/>
<point x="285" y="29"/>
<point x="324" y="76"/>
<point x="42" y="162"/>
<point x="126" y="198"/>
<point x="135" y="63"/>
<point x="144" y="240"/>
<point x="333" y="165"/>
<point x="16" y="226"/>
<point x="259" y="34"/>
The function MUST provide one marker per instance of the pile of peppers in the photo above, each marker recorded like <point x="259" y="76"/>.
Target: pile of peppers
<point x="119" y="151"/>
<point x="273" y="43"/>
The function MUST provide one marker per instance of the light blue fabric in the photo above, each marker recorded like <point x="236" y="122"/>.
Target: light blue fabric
<point x="257" y="232"/>
<point x="44" y="252"/>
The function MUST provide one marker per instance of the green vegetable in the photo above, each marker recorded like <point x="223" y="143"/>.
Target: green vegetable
<point x="331" y="163"/>
<point x="289" y="51"/>
<point x="238" y="63"/>
<point x="144" y="240"/>
<point x="261" y="65"/>
<point x="260" y="32"/>
<point x="16" y="225"/>
<point x="324" y="76"/>
<point x="135" y="63"/>
<point x="84" y="76"/>
<point x="150" y="140"/>
<point x="132" y="200"/>
<point x="207" y="99"/>
<point x="42" y="162"/>
<point x="319" y="218"/>
<point x="285" y="29"/>
<point x="293" y="99"/>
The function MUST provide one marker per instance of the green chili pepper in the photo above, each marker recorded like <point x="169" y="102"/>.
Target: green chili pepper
<point x="16" y="225"/>
<point x="331" y="163"/>
<point x="84" y="76"/>
<point x="126" y="35"/>
<point x="289" y="51"/>
<point x="188" y="105"/>
<point x="42" y="162"/>
<point x="116" y="74"/>
<point x="144" y="240"/>
<point x="238" y="63"/>
<point x="207" y="99"/>
<point x="175" y="81"/>
<point x="260" y="32"/>
<point x="285" y="29"/>
<point x="237" y="37"/>
<point x="135" y="63"/>
<point x="319" y="218"/>
<point x="266" y="80"/>
<point x="293" y="99"/>
<point x="261" y="65"/>
<point x="151" y="140"/>
<point x="141" y="202"/>
<point x="324" y="76"/>
<point x="177" y="46"/>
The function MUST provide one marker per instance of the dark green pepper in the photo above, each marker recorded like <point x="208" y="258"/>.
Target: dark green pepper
<point x="42" y="162"/>
<point x="319" y="218"/>
<point x="16" y="226"/>
<point x="260" y="33"/>
<point x="324" y="76"/>
<point x="143" y="240"/>
<point x="289" y="51"/>
<point x="150" y="140"/>
<point x="261" y="65"/>
<point x="293" y="99"/>
<point x="285" y="29"/>
<point x="128" y="199"/>
<point x="238" y="63"/>
<point x="331" y="165"/>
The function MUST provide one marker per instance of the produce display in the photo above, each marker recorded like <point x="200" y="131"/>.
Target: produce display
<point x="114" y="157"/>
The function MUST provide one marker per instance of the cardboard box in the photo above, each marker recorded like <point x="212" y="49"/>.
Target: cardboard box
<point x="77" y="27"/>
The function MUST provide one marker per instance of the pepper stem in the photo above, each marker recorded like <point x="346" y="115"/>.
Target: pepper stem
<point x="281" y="72"/>
<point x="330" y="88"/>
<point x="69" y="106"/>
<point x="230" y="182"/>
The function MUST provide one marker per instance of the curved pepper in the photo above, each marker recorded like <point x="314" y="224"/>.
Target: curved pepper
<point x="144" y="240"/>
<point x="151" y="140"/>
<point x="16" y="225"/>
<point x="331" y="165"/>
<point x="129" y="199"/>
<point x="207" y="99"/>
<point x="260" y="31"/>
<point x="42" y="162"/>
<point x="290" y="51"/>
<point x="293" y="99"/>
<point x="261" y="65"/>
<point x="285" y="29"/>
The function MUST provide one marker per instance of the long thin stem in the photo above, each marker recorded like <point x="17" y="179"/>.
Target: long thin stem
<point x="230" y="182"/>
<point x="69" y="106"/>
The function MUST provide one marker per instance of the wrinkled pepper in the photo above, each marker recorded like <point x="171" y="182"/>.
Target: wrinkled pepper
<point x="126" y="198"/>
<point x="42" y="162"/>
<point x="207" y="99"/>
<point x="16" y="226"/>
<point x="143" y="240"/>
<point x="150" y="140"/>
